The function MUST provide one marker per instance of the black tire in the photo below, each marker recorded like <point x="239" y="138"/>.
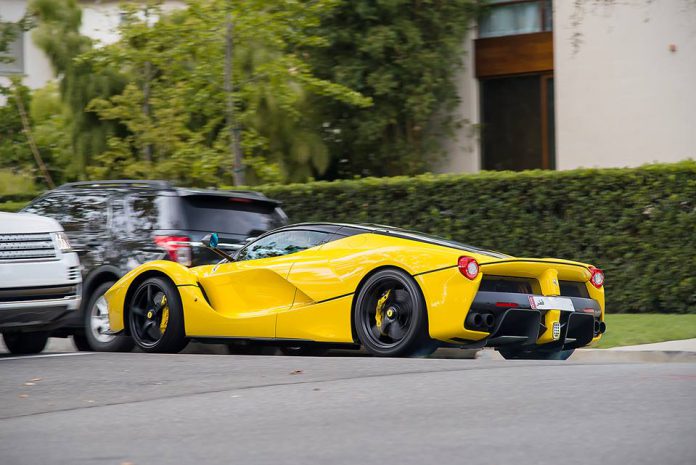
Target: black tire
<point x="156" y="317"/>
<point x="26" y="343"/>
<point x="304" y="351"/>
<point x="96" y="320"/>
<point x="402" y="329"/>
<point x="516" y="354"/>
<point x="80" y="342"/>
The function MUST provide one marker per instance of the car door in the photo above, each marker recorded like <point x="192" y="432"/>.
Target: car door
<point x="250" y="292"/>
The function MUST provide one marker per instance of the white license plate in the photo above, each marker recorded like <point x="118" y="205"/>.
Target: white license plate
<point x="541" y="302"/>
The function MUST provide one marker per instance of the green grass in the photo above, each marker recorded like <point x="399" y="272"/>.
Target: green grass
<point x="631" y="329"/>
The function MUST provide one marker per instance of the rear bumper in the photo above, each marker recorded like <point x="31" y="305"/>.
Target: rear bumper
<point x="510" y="320"/>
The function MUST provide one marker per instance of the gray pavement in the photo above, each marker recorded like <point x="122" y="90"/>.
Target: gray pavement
<point x="189" y="409"/>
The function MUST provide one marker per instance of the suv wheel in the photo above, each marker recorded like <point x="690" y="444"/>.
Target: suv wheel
<point x="25" y="343"/>
<point x="97" y="323"/>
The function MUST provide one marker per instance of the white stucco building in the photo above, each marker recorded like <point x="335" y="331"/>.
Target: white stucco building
<point x="568" y="84"/>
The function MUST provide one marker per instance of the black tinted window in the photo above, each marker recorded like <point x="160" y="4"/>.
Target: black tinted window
<point x="143" y="212"/>
<point x="282" y="243"/>
<point x="229" y="215"/>
<point x="119" y="218"/>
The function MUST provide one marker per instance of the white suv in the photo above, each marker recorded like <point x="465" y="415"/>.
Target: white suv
<point x="40" y="280"/>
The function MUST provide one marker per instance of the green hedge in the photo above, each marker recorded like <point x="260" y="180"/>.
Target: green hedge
<point x="639" y="225"/>
<point x="12" y="206"/>
<point x="15" y="201"/>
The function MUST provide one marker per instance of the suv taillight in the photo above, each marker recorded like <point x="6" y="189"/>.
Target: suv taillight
<point x="178" y="248"/>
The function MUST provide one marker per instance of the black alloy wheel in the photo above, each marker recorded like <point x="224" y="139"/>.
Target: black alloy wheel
<point x="390" y="316"/>
<point x="156" y="317"/>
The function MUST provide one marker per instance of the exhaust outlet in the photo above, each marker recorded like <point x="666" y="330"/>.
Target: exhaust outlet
<point x="602" y="327"/>
<point x="474" y="320"/>
<point x="489" y="320"/>
<point x="596" y="326"/>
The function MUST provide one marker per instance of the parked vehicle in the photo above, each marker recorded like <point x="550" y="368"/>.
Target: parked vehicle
<point x="395" y="292"/>
<point x="117" y="225"/>
<point x="40" y="280"/>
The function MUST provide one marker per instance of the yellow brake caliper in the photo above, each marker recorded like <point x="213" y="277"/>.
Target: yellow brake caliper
<point x="380" y="306"/>
<point x="165" y="314"/>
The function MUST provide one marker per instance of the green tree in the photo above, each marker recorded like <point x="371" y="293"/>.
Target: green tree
<point x="403" y="54"/>
<point x="174" y="105"/>
<point x="58" y="35"/>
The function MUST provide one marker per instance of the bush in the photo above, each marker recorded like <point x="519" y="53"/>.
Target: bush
<point x="638" y="224"/>
<point x="11" y="206"/>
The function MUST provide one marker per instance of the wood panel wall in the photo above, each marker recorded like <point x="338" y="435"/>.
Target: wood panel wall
<point x="518" y="54"/>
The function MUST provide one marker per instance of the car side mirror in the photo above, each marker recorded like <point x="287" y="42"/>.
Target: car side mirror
<point x="211" y="241"/>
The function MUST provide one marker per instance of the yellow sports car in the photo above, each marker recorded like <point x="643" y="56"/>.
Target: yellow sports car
<point x="308" y="287"/>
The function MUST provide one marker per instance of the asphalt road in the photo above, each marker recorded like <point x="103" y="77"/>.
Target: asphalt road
<point x="147" y="409"/>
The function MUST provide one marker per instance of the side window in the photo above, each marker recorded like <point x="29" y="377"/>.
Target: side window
<point x="143" y="212"/>
<point x="282" y="243"/>
<point x="90" y="210"/>
<point x="119" y="219"/>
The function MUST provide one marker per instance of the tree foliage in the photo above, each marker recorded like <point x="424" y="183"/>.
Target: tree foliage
<point x="58" y="35"/>
<point x="174" y="104"/>
<point x="403" y="54"/>
<point x="321" y="88"/>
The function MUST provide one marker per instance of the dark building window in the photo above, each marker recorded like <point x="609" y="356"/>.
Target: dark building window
<point x="514" y="116"/>
<point x="514" y="64"/>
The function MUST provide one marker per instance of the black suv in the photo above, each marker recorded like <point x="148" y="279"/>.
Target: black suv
<point x="117" y="225"/>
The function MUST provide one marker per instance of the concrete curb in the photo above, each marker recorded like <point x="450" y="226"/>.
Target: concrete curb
<point x="613" y="355"/>
<point x="655" y="356"/>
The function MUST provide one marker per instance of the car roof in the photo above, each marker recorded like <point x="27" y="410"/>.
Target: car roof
<point x="164" y="187"/>
<point x="352" y="229"/>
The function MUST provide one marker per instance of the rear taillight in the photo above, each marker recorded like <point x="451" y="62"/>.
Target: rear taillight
<point x="596" y="277"/>
<point x="469" y="267"/>
<point x="178" y="248"/>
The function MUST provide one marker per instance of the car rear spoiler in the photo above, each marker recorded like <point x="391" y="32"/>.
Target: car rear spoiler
<point x="241" y="196"/>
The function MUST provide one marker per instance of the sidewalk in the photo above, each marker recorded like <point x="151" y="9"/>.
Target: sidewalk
<point x="683" y="345"/>
<point x="669" y="351"/>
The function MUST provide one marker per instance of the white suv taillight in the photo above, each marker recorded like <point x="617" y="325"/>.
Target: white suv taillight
<point x="178" y="248"/>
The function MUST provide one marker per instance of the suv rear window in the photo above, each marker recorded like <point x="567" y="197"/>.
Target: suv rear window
<point x="230" y="215"/>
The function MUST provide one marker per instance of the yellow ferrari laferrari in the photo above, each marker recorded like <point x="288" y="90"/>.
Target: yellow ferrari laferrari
<point x="309" y="287"/>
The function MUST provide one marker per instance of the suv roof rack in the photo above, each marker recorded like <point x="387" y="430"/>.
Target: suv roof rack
<point x="119" y="183"/>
